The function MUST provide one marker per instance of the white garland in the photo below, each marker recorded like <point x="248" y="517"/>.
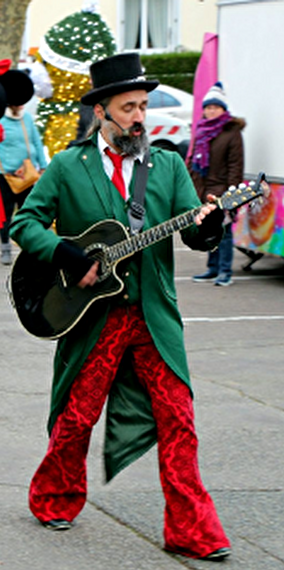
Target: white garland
<point x="63" y="63"/>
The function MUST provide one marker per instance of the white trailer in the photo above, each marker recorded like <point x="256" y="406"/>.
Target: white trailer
<point x="251" y="67"/>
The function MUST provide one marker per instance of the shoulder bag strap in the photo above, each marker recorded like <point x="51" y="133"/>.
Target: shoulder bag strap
<point x="2" y="171"/>
<point x="136" y="211"/>
<point x="26" y="136"/>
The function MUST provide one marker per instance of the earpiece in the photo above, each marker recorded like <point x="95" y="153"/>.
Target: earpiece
<point x="125" y="132"/>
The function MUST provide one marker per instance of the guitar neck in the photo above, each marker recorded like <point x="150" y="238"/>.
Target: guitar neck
<point x="140" y="241"/>
<point x="233" y="198"/>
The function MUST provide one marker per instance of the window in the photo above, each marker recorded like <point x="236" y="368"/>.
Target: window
<point x="150" y="25"/>
<point x="159" y="98"/>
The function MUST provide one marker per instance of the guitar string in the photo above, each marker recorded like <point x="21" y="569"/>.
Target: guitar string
<point x="135" y="243"/>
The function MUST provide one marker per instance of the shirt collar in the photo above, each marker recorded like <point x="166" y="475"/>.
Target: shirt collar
<point x="9" y="114"/>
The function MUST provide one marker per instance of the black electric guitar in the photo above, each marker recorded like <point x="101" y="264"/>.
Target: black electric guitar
<point x="49" y="303"/>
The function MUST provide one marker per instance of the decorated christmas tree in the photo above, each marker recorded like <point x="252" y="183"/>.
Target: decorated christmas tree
<point x="67" y="51"/>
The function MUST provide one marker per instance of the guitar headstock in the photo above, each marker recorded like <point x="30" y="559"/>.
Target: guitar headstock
<point x="235" y="197"/>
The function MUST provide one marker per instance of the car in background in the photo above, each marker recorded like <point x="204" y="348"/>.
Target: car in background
<point x="168" y="132"/>
<point x="171" y="101"/>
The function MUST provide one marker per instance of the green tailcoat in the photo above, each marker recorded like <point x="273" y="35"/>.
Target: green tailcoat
<point x="76" y="193"/>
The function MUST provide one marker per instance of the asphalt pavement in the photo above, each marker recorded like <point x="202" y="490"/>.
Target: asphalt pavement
<point x="234" y="341"/>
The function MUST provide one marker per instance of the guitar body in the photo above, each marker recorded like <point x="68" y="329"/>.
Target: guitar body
<point x="47" y="302"/>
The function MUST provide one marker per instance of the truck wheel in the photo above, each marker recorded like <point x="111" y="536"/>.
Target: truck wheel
<point x="166" y="145"/>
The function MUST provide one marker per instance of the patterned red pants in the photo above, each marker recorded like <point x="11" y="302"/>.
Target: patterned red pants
<point x="58" y="488"/>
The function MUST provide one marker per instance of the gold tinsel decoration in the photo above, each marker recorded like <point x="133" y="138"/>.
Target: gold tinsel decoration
<point x="61" y="127"/>
<point x="67" y="86"/>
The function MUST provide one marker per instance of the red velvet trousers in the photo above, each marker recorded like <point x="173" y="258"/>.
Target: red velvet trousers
<point x="59" y="487"/>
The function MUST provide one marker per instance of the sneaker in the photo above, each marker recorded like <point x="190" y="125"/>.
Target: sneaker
<point x="223" y="281"/>
<point x="204" y="277"/>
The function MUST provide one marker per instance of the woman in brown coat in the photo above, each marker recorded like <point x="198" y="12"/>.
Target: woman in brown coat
<point x="215" y="164"/>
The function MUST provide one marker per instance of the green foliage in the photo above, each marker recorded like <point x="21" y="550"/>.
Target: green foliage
<point x="81" y="36"/>
<point x="175" y="69"/>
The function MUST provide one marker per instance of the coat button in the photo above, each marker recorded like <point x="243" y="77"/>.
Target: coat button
<point x="126" y="297"/>
<point x="84" y="157"/>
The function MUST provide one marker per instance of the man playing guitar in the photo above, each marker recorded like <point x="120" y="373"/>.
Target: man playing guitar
<point x="128" y="347"/>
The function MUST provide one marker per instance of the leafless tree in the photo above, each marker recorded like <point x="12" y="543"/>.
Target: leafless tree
<point x="12" y="26"/>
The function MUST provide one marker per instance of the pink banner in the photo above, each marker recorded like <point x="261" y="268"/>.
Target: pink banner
<point x="205" y="76"/>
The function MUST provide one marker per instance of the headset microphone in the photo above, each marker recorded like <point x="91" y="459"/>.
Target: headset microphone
<point x="125" y="132"/>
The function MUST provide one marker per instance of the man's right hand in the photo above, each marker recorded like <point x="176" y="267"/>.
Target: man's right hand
<point x="91" y="277"/>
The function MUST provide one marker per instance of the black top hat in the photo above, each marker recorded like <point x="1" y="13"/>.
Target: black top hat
<point x="117" y="74"/>
<point x="16" y="88"/>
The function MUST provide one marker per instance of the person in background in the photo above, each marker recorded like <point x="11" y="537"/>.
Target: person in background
<point x="13" y="151"/>
<point x="2" y="209"/>
<point x="15" y="88"/>
<point x="217" y="162"/>
<point x="128" y="347"/>
<point x="2" y="212"/>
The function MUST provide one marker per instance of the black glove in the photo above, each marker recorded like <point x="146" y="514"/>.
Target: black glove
<point x="209" y="233"/>
<point x="71" y="257"/>
<point x="211" y="227"/>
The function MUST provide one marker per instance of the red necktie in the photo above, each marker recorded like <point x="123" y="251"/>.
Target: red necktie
<point x="117" y="177"/>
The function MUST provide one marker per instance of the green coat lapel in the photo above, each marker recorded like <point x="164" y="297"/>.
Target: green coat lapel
<point x="91" y="160"/>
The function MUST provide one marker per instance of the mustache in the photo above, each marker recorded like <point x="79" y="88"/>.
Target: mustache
<point x="137" y="127"/>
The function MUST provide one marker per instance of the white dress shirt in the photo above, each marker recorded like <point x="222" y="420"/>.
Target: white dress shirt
<point x="127" y="163"/>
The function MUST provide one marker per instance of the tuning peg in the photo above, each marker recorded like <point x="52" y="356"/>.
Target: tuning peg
<point x="252" y="183"/>
<point x="242" y="186"/>
<point x="232" y="188"/>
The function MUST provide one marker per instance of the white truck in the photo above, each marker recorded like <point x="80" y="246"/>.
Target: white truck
<point x="167" y="132"/>
<point x="251" y="67"/>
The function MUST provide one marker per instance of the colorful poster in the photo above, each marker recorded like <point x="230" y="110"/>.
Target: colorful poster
<point x="260" y="225"/>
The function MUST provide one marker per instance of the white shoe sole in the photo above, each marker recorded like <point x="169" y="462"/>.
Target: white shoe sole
<point x="223" y="284"/>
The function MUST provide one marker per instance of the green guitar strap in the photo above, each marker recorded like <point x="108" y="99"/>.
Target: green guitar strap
<point x="136" y="210"/>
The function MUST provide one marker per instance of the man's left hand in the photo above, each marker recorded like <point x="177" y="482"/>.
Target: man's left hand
<point x="206" y="209"/>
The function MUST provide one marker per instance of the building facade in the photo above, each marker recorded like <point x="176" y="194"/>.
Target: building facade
<point x="151" y="26"/>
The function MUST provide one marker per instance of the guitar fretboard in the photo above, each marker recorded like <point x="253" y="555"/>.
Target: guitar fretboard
<point x="231" y="199"/>
<point x="142" y="240"/>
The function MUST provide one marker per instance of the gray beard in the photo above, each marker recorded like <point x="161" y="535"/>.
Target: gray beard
<point x="130" y="145"/>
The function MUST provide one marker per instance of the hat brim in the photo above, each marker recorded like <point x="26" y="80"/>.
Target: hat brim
<point x="3" y="101"/>
<point x="96" y="95"/>
<point x="18" y="87"/>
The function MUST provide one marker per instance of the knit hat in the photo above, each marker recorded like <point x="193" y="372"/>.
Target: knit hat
<point x="215" y="96"/>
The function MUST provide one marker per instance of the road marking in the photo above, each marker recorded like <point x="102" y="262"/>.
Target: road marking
<point x="240" y="277"/>
<point x="239" y="318"/>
